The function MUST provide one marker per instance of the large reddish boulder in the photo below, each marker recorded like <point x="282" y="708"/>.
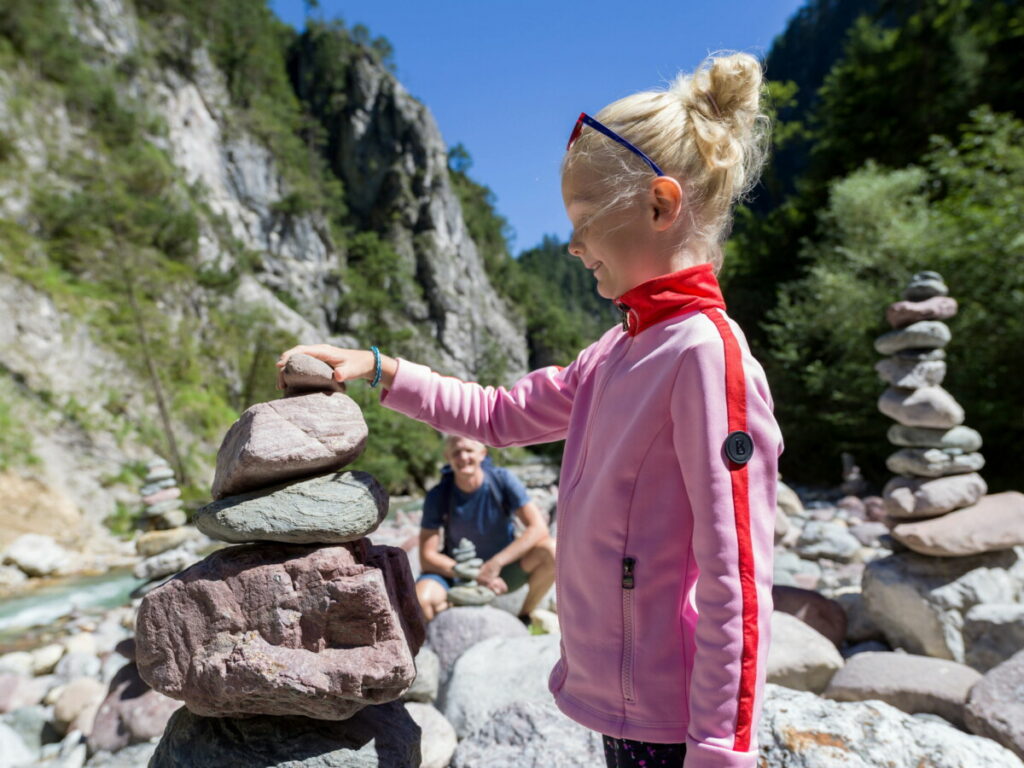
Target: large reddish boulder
<point x="276" y="629"/>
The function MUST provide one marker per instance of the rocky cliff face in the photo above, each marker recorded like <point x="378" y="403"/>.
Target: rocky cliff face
<point x="392" y="160"/>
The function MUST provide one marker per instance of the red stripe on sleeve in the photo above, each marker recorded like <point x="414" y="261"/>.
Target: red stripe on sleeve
<point x="736" y="403"/>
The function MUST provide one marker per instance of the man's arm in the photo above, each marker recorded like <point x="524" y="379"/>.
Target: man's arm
<point x="432" y="560"/>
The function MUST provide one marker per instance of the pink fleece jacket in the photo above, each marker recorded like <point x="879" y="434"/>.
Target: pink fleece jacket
<point x="665" y="531"/>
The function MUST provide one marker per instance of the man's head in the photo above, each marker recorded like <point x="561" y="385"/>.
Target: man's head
<point x="464" y="455"/>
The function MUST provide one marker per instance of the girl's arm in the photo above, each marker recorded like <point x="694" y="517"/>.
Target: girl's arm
<point x="534" y="410"/>
<point x="720" y="390"/>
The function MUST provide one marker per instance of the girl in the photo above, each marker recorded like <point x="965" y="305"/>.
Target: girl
<point x="667" y="490"/>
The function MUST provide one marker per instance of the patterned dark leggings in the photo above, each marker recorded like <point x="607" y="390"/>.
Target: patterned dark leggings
<point x="626" y="753"/>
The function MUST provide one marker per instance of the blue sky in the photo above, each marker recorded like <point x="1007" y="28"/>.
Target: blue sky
<point x="508" y="80"/>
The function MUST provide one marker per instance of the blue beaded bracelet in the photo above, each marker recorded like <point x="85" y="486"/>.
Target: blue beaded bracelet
<point x="378" y="371"/>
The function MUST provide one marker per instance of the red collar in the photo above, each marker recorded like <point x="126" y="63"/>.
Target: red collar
<point x="668" y="296"/>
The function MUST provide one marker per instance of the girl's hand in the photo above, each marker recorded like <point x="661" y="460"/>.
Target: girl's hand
<point x="348" y="364"/>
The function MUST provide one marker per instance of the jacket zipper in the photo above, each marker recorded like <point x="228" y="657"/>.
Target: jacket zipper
<point x="562" y="527"/>
<point x="628" y="655"/>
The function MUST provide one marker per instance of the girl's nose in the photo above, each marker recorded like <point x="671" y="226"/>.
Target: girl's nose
<point x="575" y="248"/>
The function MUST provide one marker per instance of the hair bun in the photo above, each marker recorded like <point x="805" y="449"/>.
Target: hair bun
<point x="731" y="84"/>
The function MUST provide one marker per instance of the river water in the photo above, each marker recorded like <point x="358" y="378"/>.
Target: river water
<point x="24" y="617"/>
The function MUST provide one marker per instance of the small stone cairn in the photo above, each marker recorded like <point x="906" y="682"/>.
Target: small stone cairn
<point x="937" y="460"/>
<point x="467" y="567"/>
<point x="297" y="643"/>
<point x="167" y="545"/>
<point x="938" y="498"/>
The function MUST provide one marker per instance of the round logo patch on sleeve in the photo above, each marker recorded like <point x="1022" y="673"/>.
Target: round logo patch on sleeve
<point x="739" y="447"/>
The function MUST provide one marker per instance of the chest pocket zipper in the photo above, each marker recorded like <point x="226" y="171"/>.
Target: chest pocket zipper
<point x="628" y="647"/>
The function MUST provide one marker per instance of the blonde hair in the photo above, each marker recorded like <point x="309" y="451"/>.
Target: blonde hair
<point x="707" y="130"/>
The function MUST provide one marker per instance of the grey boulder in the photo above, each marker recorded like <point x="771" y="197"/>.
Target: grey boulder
<point x="455" y="630"/>
<point x="802" y="730"/>
<point x="530" y="734"/>
<point x="920" y="602"/>
<point x="437" y="739"/>
<point x="331" y="509"/>
<point x="382" y="736"/>
<point x="824" y="539"/>
<point x="995" y="707"/>
<point x="993" y="632"/>
<point x="286" y="439"/>
<point x="428" y="675"/>
<point x="906" y="681"/>
<point x="800" y="657"/>
<point x="495" y="673"/>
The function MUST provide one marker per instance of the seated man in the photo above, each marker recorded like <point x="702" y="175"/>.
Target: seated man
<point x="475" y="500"/>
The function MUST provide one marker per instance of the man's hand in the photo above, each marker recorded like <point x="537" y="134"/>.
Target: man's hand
<point x="490" y="578"/>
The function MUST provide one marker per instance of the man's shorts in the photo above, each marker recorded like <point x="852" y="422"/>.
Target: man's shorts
<point x="513" y="575"/>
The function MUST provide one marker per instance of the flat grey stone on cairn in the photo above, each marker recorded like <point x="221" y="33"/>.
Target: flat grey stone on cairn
<point x="993" y="632"/>
<point x="906" y="681"/>
<point x="800" y="657"/>
<point x="330" y="509"/>
<point x="933" y="462"/>
<point x="930" y="407"/>
<point x="275" y="629"/>
<point x="910" y="497"/>
<point x="383" y="736"/>
<point x="919" y="602"/>
<point x="303" y="374"/>
<point x="288" y="439"/>
<point x="457" y="629"/>
<point x="495" y="673"/>
<point x="911" y="374"/>
<point x="995" y="707"/>
<point x="530" y="734"/>
<point x="959" y="438"/>
<point x="805" y="730"/>
<point x="996" y="522"/>
<point x="924" y="334"/>
<point x="924" y="285"/>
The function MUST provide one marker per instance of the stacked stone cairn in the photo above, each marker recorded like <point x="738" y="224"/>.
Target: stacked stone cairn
<point x="467" y="567"/>
<point x="166" y="544"/>
<point x="293" y="646"/>
<point x="937" y="459"/>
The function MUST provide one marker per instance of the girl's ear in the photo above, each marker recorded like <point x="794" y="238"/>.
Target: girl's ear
<point x="666" y="201"/>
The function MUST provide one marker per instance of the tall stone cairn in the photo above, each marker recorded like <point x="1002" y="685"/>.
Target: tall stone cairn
<point x="304" y="620"/>
<point x="936" y="461"/>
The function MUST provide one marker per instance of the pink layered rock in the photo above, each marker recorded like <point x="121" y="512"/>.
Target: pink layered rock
<point x="167" y="494"/>
<point x="903" y="313"/>
<point x="289" y="439"/>
<point x="274" y="629"/>
<point x="131" y="713"/>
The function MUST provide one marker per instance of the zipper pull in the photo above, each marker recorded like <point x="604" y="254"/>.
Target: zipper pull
<point x="628" y="565"/>
<point x="625" y="316"/>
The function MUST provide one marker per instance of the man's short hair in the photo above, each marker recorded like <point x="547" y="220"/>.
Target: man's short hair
<point x="448" y="439"/>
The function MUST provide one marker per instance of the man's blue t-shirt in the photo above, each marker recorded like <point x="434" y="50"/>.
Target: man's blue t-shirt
<point x="483" y="516"/>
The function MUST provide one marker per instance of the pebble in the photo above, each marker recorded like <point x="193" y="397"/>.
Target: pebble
<point x="932" y="462"/>
<point x="930" y="407"/>
<point x="963" y="438"/>
<point x="925" y="285"/>
<point x="925" y="334"/>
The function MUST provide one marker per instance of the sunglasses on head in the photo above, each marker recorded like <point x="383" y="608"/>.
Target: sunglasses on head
<point x="585" y="119"/>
